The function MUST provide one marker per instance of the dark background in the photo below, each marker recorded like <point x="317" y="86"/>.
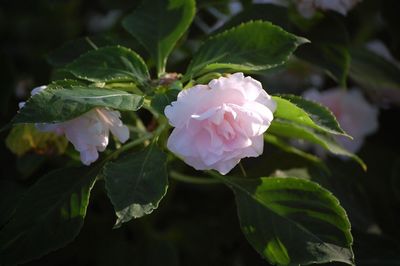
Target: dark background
<point x="194" y="225"/>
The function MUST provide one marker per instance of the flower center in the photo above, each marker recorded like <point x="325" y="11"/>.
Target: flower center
<point x="225" y="128"/>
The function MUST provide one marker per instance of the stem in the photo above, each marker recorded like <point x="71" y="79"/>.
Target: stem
<point x="214" y="174"/>
<point x="94" y="46"/>
<point x="242" y="169"/>
<point x="161" y="67"/>
<point x="189" y="84"/>
<point x="128" y="146"/>
<point x="192" y="179"/>
<point x="136" y="142"/>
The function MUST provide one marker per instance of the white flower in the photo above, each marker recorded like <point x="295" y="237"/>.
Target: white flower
<point x="218" y="124"/>
<point x="355" y="115"/>
<point x="89" y="132"/>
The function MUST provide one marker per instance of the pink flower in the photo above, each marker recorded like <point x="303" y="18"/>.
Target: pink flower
<point x="89" y="132"/>
<point x="355" y="115"/>
<point x="218" y="124"/>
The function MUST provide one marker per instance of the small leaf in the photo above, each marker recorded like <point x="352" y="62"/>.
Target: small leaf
<point x="158" y="25"/>
<point x="136" y="183"/>
<point x="162" y="99"/>
<point x="58" y="104"/>
<point x="295" y="131"/>
<point x="110" y="64"/>
<point x="307" y="113"/>
<point x="373" y="71"/>
<point x="292" y="221"/>
<point x="25" y="137"/>
<point x="49" y="216"/>
<point x="250" y="47"/>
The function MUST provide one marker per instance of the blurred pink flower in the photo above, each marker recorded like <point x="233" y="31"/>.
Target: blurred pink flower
<point x="307" y="8"/>
<point x="89" y="132"/>
<point x="218" y="124"/>
<point x="354" y="114"/>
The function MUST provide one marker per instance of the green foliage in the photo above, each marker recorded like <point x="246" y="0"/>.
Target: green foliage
<point x="292" y="221"/>
<point x="292" y="130"/>
<point x="25" y="137"/>
<point x="158" y="25"/>
<point x="61" y="103"/>
<point x="110" y="64"/>
<point x="283" y="145"/>
<point x="373" y="71"/>
<point x="11" y="193"/>
<point x="328" y="47"/>
<point x="307" y="113"/>
<point x="49" y="216"/>
<point x="136" y="183"/>
<point x="250" y="47"/>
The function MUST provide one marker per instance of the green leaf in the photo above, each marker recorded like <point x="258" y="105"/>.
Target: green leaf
<point x="295" y="131"/>
<point x="292" y="221"/>
<point x="307" y="113"/>
<point x="58" y="104"/>
<point x="373" y="71"/>
<point x="136" y="183"/>
<point x="25" y="137"/>
<point x="158" y="25"/>
<point x="110" y="64"/>
<point x="286" y="147"/>
<point x="10" y="194"/>
<point x="250" y="47"/>
<point x="49" y="216"/>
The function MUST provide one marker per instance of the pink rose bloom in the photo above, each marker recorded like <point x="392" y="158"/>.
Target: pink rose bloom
<point x="89" y="132"/>
<point x="218" y="124"/>
<point x="355" y="115"/>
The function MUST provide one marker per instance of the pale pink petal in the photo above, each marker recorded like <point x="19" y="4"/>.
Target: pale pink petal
<point x="89" y="156"/>
<point x="225" y="167"/>
<point x="180" y="142"/>
<point x="121" y="132"/>
<point x="188" y="100"/>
